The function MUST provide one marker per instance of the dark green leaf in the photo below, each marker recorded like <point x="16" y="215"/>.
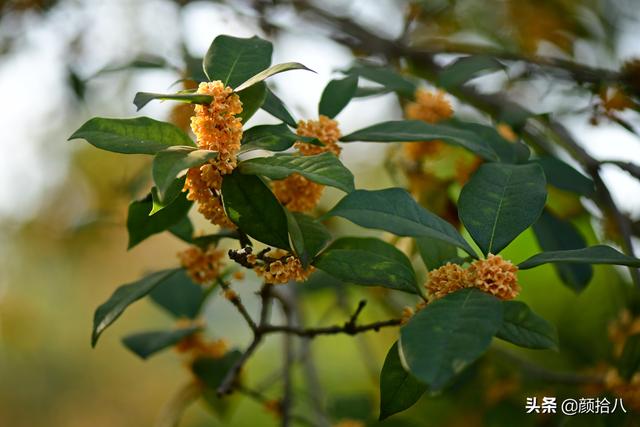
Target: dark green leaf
<point x="174" y="190"/>
<point x="179" y="295"/>
<point x="522" y="327"/>
<point x="211" y="371"/>
<point x="324" y="168"/>
<point x="363" y="92"/>
<point x="143" y="98"/>
<point x="461" y="70"/>
<point x="448" y="335"/>
<point x="386" y="77"/>
<point x="419" y="131"/>
<point x="169" y="163"/>
<point x="308" y="236"/>
<point x="268" y="137"/>
<point x="598" y="254"/>
<point x="183" y="230"/>
<point x="395" y="211"/>
<point x="141" y="135"/>
<point x="141" y="225"/>
<point x="565" y="177"/>
<point x="435" y="253"/>
<point x="399" y="390"/>
<point x="124" y="296"/>
<point x="274" y="106"/>
<point x="368" y="262"/>
<point x="212" y="239"/>
<point x="233" y="60"/>
<point x="145" y="344"/>
<point x="252" y="206"/>
<point x="500" y="202"/>
<point x="507" y="152"/>
<point x="265" y="74"/>
<point x="337" y="95"/>
<point x="555" y="234"/>
<point x="252" y="99"/>
<point x="629" y="362"/>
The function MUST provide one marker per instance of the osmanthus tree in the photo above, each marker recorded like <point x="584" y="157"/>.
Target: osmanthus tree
<point x="260" y="186"/>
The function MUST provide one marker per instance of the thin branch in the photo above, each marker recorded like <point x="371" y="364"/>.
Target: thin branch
<point x="237" y="302"/>
<point x="229" y="381"/>
<point x="287" y="396"/>
<point x="330" y="330"/>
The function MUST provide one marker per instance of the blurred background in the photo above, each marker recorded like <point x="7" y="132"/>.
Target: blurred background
<point x="63" y="204"/>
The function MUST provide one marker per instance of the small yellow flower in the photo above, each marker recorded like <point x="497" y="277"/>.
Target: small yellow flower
<point x="283" y="267"/>
<point x="325" y="130"/>
<point x="203" y="266"/>
<point x="445" y="280"/>
<point x="297" y="193"/>
<point x="495" y="276"/>
<point x="207" y="197"/>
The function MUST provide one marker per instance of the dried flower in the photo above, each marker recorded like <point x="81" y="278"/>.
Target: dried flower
<point x="203" y="266"/>
<point x="495" y="276"/>
<point x="297" y="193"/>
<point x="325" y="130"/>
<point x="281" y="267"/>
<point x="445" y="280"/>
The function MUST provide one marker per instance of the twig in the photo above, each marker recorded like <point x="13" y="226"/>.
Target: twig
<point x="330" y="330"/>
<point x="289" y="356"/>
<point x="228" y="383"/>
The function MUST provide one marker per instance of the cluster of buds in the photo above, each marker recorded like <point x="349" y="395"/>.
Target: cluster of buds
<point x="275" y="266"/>
<point x="296" y="192"/>
<point x="203" y="266"/>
<point x="216" y="127"/>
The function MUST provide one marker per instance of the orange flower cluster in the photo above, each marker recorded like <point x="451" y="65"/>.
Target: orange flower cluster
<point x="628" y="390"/>
<point x="430" y="107"/>
<point x="493" y="275"/>
<point x="622" y="328"/>
<point x="282" y="267"/>
<point x="296" y="192"/>
<point x="198" y="346"/>
<point x="217" y="128"/>
<point x="203" y="266"/>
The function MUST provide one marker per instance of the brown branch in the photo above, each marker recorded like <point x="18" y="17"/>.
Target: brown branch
<point x="330" y="330"/>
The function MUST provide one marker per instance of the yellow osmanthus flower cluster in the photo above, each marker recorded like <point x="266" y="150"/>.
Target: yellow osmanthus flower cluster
<point x="203" y="266"/>
<point x="281" y="268"/>
<point x="493" y="275"/>
<point x="216" y="127"/>
<point x="296" y="192"/>
<point x="198" y="346"/>
<point x="622" y="328"/>
<point x="628" y="390"/>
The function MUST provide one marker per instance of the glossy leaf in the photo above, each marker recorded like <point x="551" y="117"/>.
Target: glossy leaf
<point x="183" y="230"/>
<point x="268" y="137"/>
<point x="179" y="295"/>
<point x="146" y="344"/>
<point x="399" y="390"/>
<point x="336" y="96"/>
<point x="506" y="151"/>
<point x="598" y="254"/>
<point x="448" y="335"/>
<point x="435" y="253"/>
<point x="463" y="69"/>
<point x="141" y="135"/>
<point x="324" y="168"/>
<point x="124" y="296"/>
<point x="565" y="177"/>
<point x="368" y="262"/>
<point x="308" y="236"/>
<point x="273" y="70"/>
<point x="169" y="163"/>
<point x="274" y="106"/>
<point x="419" y="131"/>
<point x="141" y="225"/>
<point x="395" y="211"/>
<point x="173" y="191"/>
<point x="522" y="327"/>
<point x="251" y="205"/>
<point x="143" y="98"/>
<point x="234" y="60"/>
<point x="500" y="201"/>
<point x="252" y="99"/>
<point x="554" y="234"/>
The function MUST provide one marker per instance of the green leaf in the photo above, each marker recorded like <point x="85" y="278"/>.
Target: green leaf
<point x="395" y="211"/>
<point x="399" y="390"/>
<point x="179" y="295"/>
<point x="598" y="254"/>
<point x="461" y="70"/>
<point x="336" y="96"/>
<point x="124" y="296"/>
<point x="386" y="77"/>
<point x="274" y="106"/>
<point x="268" y="137"/>
<point x="213" y="239"/>
<point x="169" y="163"/>
<point x="233" y="60"/>
<point x="500" y="201"/>
<point x="211" y="371"/>
<point x="448" y="335"/>
<point x="554" y="234"/>
<point x="143" y="98"/>
<point x="183" y="230"/>
<point x="174" y="190"/>
<point x="141" y="225"/>
<point x="265" y="74"/>
<point x="368" y="262"/>
<point x="251" y="205"/>
<point x="252" y="99"/>
<point x="629" y="362"/>
<point x="324" y="168"/>
<point x="308" y="236"/>
<point x="522" y="327"/>
<point x="507" y="152"/>
<point x="435" y="253"/>
<point x="145" y="344"/>
<point x="365" y="91"/>
<point x="565" y="177"/>
<point x="419" y="131"/>
<point x="141" y="135"/>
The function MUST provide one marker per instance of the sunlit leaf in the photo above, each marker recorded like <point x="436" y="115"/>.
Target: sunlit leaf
<point x="265" y="74"/>
<point x="169" y="163"/>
